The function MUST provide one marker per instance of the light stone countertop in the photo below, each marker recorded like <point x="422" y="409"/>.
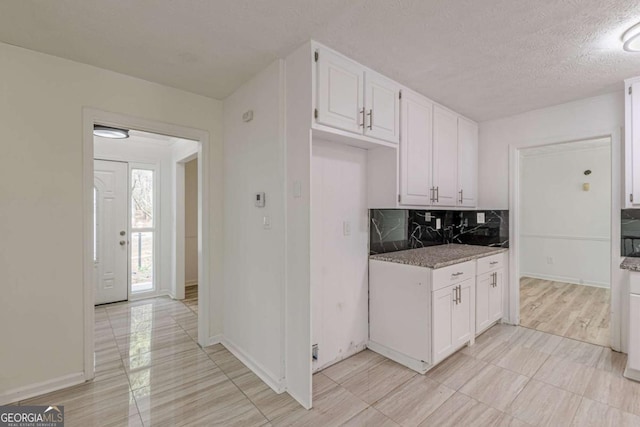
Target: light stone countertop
<point x="631" y="264"/>
<point x="440" y="256"/>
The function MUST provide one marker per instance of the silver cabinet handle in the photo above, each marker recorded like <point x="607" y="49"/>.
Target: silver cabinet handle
<point x="460" y="196"/>
<point x="362" y="112"/>
<point x="437" y="194"/>
<point x="493" y="262"/>
<point x="459" y="294"/>
<point x="432" y="192"/>
<point x="370" y="119"/>
<point x="459" y="273"/>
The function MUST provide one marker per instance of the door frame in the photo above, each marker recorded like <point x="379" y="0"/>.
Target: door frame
<point x="178" y="233"/>
<point x="92" y="116"/>
<point x="617" y="331"/>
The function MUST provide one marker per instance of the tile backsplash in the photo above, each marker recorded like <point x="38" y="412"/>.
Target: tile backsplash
<point x="399" y="229"/>
<point x="630" y="232"/>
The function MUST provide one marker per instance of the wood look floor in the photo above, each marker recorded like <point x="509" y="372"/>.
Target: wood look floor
<point x="573" y="311"/>
<point x="151" y="372"/>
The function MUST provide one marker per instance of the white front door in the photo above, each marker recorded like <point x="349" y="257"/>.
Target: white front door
<point x="110" y="252"/>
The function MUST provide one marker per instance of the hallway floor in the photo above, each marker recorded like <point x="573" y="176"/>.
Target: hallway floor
<point x="574" y="311"/>
<point x="151" y="372"/>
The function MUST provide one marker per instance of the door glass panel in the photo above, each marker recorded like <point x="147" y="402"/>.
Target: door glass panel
<point x="141" y="261"/>
<point x="142" y="198"/>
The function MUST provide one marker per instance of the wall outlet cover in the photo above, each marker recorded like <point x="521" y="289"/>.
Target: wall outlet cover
<point x="438" y="223"/>
<point x="480" y="217"/>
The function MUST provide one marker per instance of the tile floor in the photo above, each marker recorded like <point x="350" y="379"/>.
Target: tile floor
<point x="151" y="372"/>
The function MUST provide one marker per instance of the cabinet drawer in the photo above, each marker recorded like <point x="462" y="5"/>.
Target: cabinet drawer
<point x="491" y="263"/>
<point x="453" y="274"/>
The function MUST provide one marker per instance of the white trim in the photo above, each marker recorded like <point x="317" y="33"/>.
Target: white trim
<point x="618" y="342"/>
<point x="561" y="237"/>
<point x="564" y="279"/>
<point x="44" y="387"/>
<point x="90" y="116"/>
<point x="276" y="384"/>
<point x="631" y="373"/>
<point x="216" y="339"/>
<point x="411" y="363"/>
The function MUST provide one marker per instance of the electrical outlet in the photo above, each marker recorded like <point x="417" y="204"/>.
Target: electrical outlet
<point x="480" y="217"/>
<point x="438" y="223"/>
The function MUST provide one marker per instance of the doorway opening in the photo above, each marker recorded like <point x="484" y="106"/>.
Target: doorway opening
<point x="136" y="210"/>
<point x="565" y="239"/>
<point x="147" y="235"/>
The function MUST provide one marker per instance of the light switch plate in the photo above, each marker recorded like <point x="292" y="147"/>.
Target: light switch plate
<point x="266" y="222"/>
<point x="480" y="217"/>
<point x="438" y="223"/>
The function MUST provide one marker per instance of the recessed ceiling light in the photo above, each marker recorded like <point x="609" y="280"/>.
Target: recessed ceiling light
<point x="109" y="132"/>
<point x="631" y="39"/>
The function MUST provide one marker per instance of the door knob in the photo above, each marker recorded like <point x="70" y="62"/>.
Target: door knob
<point x="122" y="242"/>
<point x="122" y="233"/>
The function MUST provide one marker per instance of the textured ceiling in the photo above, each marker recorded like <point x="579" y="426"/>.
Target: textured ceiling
<point x="486" y="59"/>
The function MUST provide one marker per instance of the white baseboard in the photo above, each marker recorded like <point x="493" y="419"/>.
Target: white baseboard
<point x="216" y="339"/>
<point x="632" y="374"/>
<point x="564" y="279"/>
<point x="354" y="350"/>
<point x="269" y="379"/>
<point x="38" y="389"/>
<point x="409" y="362"/>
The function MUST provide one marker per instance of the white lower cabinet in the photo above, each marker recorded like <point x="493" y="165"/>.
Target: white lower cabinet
<point x="419" y="316"/>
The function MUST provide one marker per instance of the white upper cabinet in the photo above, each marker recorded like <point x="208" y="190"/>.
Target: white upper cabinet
<point x="467" y="163"/>
<point x="632" y="143"/>
<point x="340" y="92"/>
<point x="352" y="98"/>
<point x="415" y="150"/>
<point x="382" y="107"/>
<point x="445" y="157"/>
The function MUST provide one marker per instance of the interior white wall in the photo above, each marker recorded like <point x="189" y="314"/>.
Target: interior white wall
<point x="41" y="188"/>
<point x="254" y="256"/>
<point x="564" y="230"/>
<point x="145" y="150"/>
<point x="590" y="115"/>
<point x="339" y="258"/>
<point x="191" y="222"/>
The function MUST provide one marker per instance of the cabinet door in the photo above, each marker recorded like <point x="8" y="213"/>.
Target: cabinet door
<point x="339" y="95"/>
<point x="467" y="163"/>
<point x="634" y="331"/>
<point x="382" y="108"/>
<point x="495" y="297"/>
<point x="484" y="284"/>
<point x="415" y="150"/>
<point x="463" y="316"/>
<point x="445" y="156"/>
<point x="442" y="327"/>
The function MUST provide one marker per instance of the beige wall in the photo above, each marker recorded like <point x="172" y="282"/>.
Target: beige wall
<point x="41" y="201"/>
<point x="191" y="222"/>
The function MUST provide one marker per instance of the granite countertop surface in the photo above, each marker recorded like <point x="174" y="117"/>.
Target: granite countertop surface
<point x="440" y="256"/>
<point x="631" y="264"/>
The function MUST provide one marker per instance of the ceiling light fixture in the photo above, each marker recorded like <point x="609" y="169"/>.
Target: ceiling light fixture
<point x="631" y="39"/>
<point x="110" y="132"/>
